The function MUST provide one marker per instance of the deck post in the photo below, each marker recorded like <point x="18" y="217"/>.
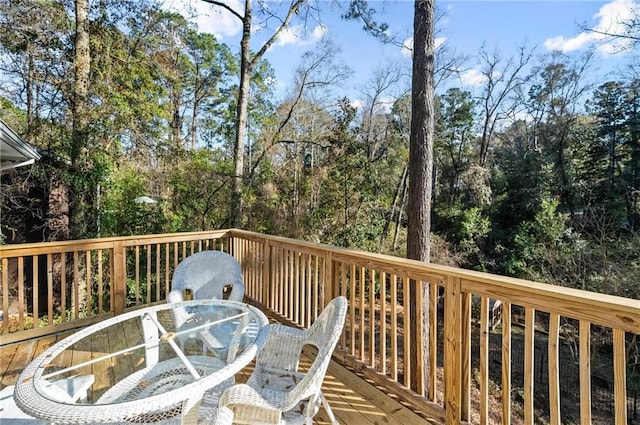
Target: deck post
<point x="267" y="280"/>
<point x="419" y="292"/>
<point x="453" y="351"/>
<point x="119" y="279"/>
<point x="330" y="279"/>
<point x="465" y="354"/>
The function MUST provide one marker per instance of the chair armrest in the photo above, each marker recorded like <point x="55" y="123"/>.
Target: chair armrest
<point x="174" y="296"/>
<point x="237" y="292"/>
<point x="281" y="350"/>
<point x="286" y="340"/>
<point x="180" y="315"/>
<point x="250" y="405"/>
<point x="221" y="416"/>
<point x="283" y="331"/>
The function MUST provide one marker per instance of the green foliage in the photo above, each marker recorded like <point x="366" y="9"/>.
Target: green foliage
<point x="466" y="229"/>
<point x="131" y="292"/>
<point x="520" y="184"/>
<point x="474" y="227"/>
<point x="453" y="151"/>
<point x="199" y="190"/>
<point x="546" y="248"/>
<point x="120" y="213"/>
<point x="359" y="10"/>
<point x="13" y="116"/>
<point x="558" y="199"/>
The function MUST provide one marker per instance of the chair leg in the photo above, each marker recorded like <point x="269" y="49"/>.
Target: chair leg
<point x="327" y="408"/>
<point x="313" y="405"/>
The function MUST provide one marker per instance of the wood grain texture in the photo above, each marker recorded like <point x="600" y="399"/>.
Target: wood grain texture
<point x="484" y="361"/>
<point x="620" y="377"/>
<point x="585" y="373"/>
<point x="529" y="336"/>
<point x="353" y="400"/>
<point x="297" y="278"/>
<point x="554" y="380"/>
<point x="506" y="363"/>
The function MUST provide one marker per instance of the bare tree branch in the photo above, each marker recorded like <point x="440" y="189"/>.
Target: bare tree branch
<point x="225" y="6"/>
<point x="293" y="9"/>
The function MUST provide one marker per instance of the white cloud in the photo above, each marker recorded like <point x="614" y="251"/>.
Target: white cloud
<point x="209" y="19"/>
<point x="565" y="45"/>
<point x="476" y="77"/>
<point x="610" y="19"/>
<point x="473" y="77"/>
<point x="522" y="116"/>
<point x="357" y="103"/>
<point x="296" y="35"/>
<point x="407" y="45"/>
<point x="386" y="103"/>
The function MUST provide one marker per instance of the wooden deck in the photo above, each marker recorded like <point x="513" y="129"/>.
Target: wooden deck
<point x="353" y="400"/>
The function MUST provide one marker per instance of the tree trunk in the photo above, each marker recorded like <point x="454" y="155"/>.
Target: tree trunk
<point x="29" y="89"/>
<point x="634" y="141"/>
<point x="78" y="137"/>
<point x="176" y="121"/>
<point x="241" y="120"/>
<point x="194" y="124"/>
<point x="79" y="154"/>
<point x="395" y="209"/>
<point x="484" y="140"/>
<point x="420" y="170"/>
<point x="396" y="232"/>
<point x="247" y="64"/>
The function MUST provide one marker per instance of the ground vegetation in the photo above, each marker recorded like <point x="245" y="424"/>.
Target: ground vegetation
<point x="536" y="176"/>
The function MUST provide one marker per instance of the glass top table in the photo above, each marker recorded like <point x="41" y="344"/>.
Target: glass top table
<point x="146" y="366"/>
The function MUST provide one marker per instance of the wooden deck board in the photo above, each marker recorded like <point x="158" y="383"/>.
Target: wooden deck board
<point x="6" y="356"/>
<point x="376" y="405"/>
<point x="43" y="344"/>
<point x="102" y="372"/>
<point x="353" y="400"/>
<point x="23" y="355"/>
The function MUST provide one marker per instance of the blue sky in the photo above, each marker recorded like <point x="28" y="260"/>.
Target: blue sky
<point x="465" y="27"/>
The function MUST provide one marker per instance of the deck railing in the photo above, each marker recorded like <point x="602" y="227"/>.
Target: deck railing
<point x="54" y="286"/>
<point x="547" y="354"/>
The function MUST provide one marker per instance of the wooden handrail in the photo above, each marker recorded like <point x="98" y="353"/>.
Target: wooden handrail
<point x="619" y="314"/>
<point x="601" y="309"/>
<point x="295" y="279"/>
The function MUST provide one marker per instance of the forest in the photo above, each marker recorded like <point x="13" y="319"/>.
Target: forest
<point x="536" y="175"/>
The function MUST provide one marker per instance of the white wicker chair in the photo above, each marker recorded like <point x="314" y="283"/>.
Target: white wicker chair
<point x="277" y="392"/>
<point x="206" y="274"/>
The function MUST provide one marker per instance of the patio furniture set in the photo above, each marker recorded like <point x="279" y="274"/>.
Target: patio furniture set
<point x="176" y="362"/>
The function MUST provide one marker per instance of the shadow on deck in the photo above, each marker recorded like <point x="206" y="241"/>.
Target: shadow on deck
<point x="353" y="400"/>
